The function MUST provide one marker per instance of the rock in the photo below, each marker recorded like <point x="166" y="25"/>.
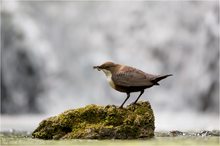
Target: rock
<point x="215" y="133"/>
<point x="98" y="122"/>
<point x="204" y="133"/>
<point x="176" y="133"/>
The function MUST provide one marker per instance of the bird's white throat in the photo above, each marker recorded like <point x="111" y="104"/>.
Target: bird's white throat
<point x="109" y="77"/>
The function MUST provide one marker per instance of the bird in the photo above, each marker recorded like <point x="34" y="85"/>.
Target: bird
<point x="128" y="79"/>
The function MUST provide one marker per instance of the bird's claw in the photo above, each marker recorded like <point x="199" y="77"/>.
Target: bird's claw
<point x="133" y="103"/>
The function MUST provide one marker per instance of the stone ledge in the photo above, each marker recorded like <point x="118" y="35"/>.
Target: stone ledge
<point x="99" y="122"/>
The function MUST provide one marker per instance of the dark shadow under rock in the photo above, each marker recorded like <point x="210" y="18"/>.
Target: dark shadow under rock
<point x="98" y="122"/>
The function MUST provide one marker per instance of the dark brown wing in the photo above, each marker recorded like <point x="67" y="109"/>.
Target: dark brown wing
<point x="129" y="77"/>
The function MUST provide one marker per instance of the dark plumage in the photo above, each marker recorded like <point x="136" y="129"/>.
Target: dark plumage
<point x="128" y="79"/>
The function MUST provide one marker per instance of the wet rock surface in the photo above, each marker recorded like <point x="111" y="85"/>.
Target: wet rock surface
<point x="176" y="133"/>
<point x="98" y="122"/>
<point x="213" y="133"/>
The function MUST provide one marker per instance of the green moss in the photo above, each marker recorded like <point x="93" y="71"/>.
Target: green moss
<point x="98" y="122"/>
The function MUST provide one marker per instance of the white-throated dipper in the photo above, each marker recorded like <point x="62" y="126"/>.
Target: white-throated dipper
<point x="129" y="79"/>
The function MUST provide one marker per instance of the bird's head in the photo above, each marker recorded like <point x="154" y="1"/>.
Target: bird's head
<point x="106" y="67"/>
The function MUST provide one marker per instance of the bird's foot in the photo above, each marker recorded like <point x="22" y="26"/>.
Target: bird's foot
<point x="133" y="103"/>
<point x="121" y="107"/>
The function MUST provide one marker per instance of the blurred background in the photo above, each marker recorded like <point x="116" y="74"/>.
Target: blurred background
<point x="48" y="50"/>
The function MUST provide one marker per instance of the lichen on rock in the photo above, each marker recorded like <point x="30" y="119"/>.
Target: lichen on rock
<point x="98" y="122"/>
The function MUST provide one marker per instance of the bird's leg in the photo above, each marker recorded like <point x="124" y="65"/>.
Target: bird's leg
<point x="128" y="95"/>
<point x="138" y="97"/>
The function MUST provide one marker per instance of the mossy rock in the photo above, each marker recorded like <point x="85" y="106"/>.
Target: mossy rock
<point x="98" y="122"/>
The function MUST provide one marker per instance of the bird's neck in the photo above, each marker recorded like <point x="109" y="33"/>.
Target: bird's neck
<point x="109" y="77"/>
<point x="107" y="73"/>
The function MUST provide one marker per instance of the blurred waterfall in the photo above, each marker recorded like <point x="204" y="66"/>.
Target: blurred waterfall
<point x="49" y="48"/>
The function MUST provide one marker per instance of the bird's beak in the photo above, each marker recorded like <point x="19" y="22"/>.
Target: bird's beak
<point x="96" y="67"/>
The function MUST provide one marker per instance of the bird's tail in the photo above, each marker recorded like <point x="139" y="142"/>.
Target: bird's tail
<point x="157" y="79"/>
